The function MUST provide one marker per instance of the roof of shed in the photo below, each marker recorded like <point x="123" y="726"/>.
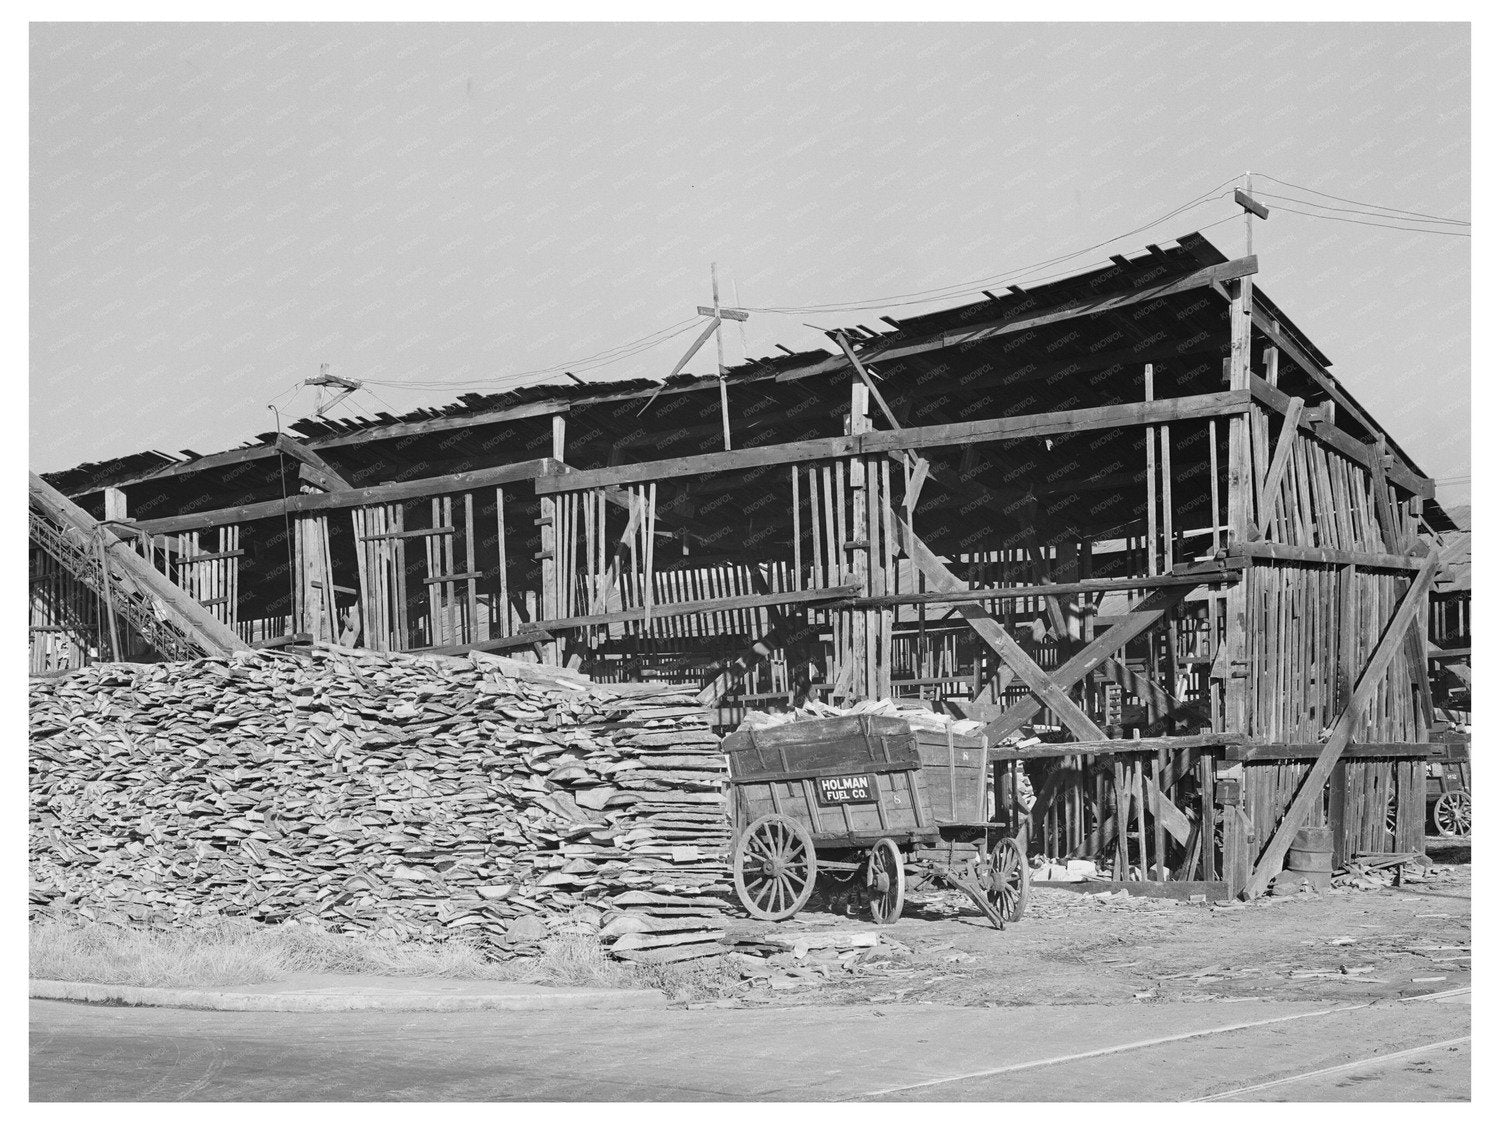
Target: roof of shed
<point x="794" y="394"/>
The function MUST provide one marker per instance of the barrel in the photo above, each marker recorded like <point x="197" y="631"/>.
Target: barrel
<point x="1310" y="857"/>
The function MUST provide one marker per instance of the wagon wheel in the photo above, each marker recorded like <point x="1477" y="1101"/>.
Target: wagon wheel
<point x="1392" y="822"/>
<point x="1453" y="814"/>
<point x="775" y="866"/>
<point x="1010" y="880"/>
<point x="885" y="882"/>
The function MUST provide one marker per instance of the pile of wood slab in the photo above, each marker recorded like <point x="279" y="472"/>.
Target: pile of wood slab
<point x="409" y="796"/>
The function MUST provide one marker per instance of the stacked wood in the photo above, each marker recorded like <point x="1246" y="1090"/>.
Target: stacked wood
<point x="414" y="797"/>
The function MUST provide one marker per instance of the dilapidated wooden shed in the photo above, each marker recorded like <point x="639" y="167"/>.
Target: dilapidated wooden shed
<point x="1131" y="509"/>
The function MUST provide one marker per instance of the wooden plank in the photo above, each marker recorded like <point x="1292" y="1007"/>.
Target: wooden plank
<point x="417" y="533"/>
<point x="201" y="626"/>
<point x="1179" y="891"/>
<point x="1393" y="636"/>
<point x="1310" y="751"/>
<point x="1283" y="552"/>
<point x="1125" y="746"/>
<point x="315" y="470"/>
<point x="693" y="608"/>
<point x="1190" y="574"/>
<point x="355" y="497"/>
<point x="1271" y="487"/>
<point x="914" y="437"/>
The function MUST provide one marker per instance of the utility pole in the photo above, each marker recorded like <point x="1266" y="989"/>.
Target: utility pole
<point x="1253" y="210"/>
<point x="346" y="387"/>
<point x="713" y="270"/>
<point x="718" y="315"/>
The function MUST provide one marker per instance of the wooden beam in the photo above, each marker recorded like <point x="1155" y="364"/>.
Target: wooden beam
<point x="1311" y="751"/>
<point x="315" y="470"/>
<point x="1192" y="574"/>
<point x="354" y="497"/>
<point x="1327" y="556"/>
<point x="1021" y="426"/>
<point x="1271" y="486"/>
<point x="990" y="631"/>
<point x="1110" y="746"/>
<point x="1141" y="617"/>
<point x="115" y="506"/>
<point x="1392" y="638"/>
<point x="859" y="369"/>
<point x="195" y="622"/>
<point x="691" y="608"/>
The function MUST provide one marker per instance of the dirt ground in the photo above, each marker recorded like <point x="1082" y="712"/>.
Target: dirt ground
<point x="1073" y="948"/>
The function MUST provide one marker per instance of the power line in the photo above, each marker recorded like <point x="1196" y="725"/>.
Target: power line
<point x="1357" y="203"/>
<point x="1354" y="210"/>
<point x="1382" y="225"/>
<point x="505" y="382"/>
<point x="924" y="296"/>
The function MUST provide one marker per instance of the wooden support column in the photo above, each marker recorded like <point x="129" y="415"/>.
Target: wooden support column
<point x="1240" y="503"/>
<point x="550" y="651"/>
<point x="114" y="505"/>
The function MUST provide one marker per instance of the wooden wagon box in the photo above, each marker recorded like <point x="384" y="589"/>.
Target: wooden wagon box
<point x="857" y="779"/>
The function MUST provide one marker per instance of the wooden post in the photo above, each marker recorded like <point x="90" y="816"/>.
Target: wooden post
<point x="114" y="506"/>
<point x="549" y="609"/>
<point x="1240" y="513"/>
<point x="857" y="549"/>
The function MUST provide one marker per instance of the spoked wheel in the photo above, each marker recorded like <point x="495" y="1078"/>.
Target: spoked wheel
<point x="1392" y="823"/>
<point x="885" y="882"/>
<point x="1453" y="814"/>
<point x="1010" y="880"/>
<point x="775" y="866"/>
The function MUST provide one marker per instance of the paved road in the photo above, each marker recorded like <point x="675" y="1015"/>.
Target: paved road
<point x="911" y="1052"/>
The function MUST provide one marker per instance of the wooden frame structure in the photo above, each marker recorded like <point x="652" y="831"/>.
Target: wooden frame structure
<point x="1131" y="509"/>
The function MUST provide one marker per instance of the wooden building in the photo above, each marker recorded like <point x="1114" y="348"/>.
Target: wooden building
<point x="1132" y="507"/>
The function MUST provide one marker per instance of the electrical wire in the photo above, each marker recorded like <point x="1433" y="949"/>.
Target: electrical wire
<point x="587" y="363"/>
<point x="1357" y="203"/>
<point x="923" y="296"/>
<point x="1382" y="225"/>
<point x="1354" y="210"/>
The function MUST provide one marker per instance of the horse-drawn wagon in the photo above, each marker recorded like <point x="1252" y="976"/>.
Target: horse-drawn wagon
<point x="872" y="804"/>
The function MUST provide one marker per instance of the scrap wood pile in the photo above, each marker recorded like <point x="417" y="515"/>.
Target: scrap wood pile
<point x="413" y="797"/>
<point x="915" y="715"/>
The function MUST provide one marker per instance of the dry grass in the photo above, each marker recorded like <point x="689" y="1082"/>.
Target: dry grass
<point x="236" y="952"/>
<point x="243" y="952"/>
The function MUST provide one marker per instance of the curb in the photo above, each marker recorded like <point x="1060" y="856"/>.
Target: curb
<point x="354" y="1000"/>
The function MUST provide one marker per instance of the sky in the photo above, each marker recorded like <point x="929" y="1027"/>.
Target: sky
<point x="219" y="210"/>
